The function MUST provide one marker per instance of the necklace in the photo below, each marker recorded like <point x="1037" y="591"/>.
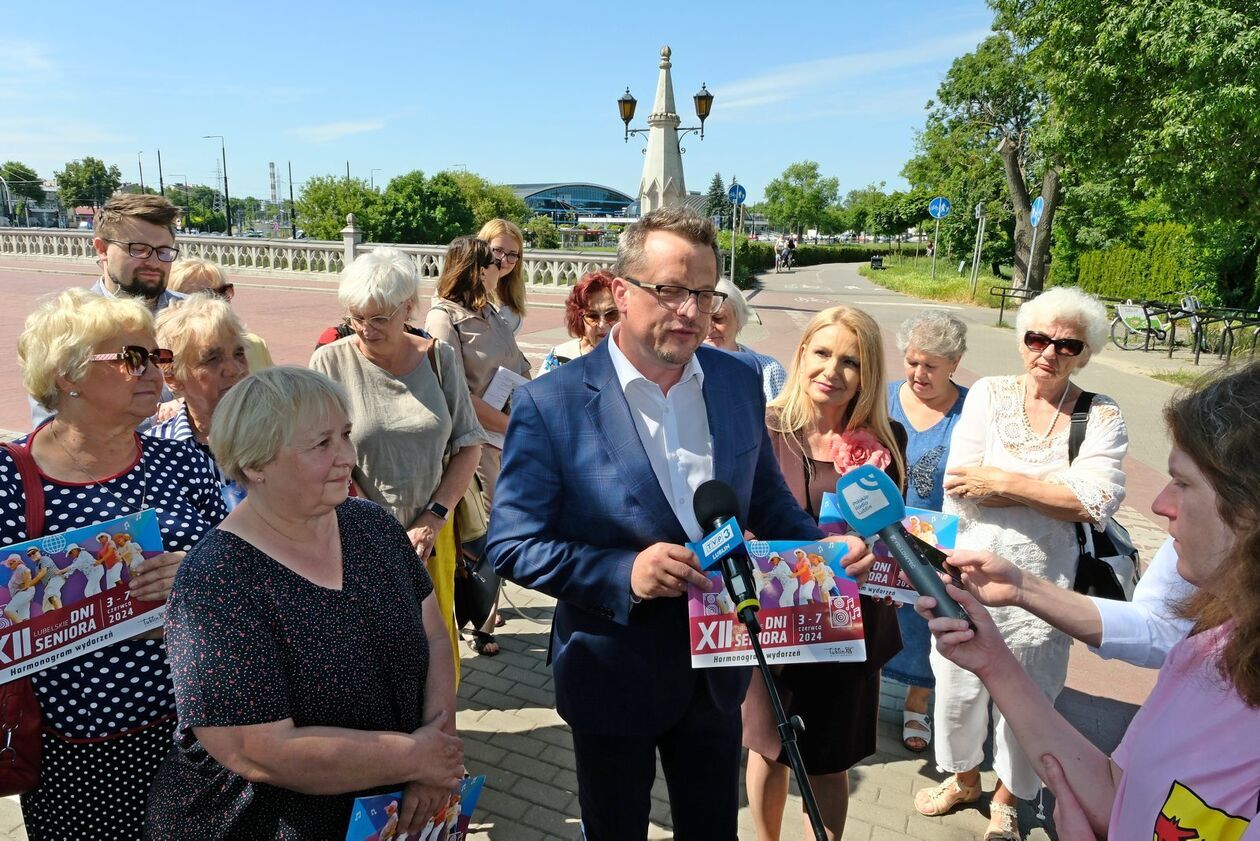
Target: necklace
<point x="144" y="484"/>
<point x="1054" y="420"/>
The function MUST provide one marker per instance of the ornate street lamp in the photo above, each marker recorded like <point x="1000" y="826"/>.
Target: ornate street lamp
<point x="703" y="99"/>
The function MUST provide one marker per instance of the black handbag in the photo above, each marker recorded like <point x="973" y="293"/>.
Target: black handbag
<point x="1108" y="562"/>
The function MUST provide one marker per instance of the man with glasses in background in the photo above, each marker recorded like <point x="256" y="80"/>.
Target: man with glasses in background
<point x="135" y="246"/>
<point x="594" y="507"/>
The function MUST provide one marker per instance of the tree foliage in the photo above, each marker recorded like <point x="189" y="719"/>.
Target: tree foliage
<point x="715" y="201"/>
<point x="541" y="232"/>
<point x="415" y="209"/>
<point x="325" y="200"/>
<point x="489" y="201"/>
<point x="22" y="180"/>
<point x="1165" y="96"/>
<point x="800" y="197"/>
<point x="87" y="181"/>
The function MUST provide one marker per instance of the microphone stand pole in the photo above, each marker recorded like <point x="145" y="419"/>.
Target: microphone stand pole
<point x="788" y="729"/>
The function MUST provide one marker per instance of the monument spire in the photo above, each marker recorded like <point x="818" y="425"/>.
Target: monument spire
<point x="662" y="184"/>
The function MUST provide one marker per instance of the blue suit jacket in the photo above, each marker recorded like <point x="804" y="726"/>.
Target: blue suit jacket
<point x="577" y="500"/>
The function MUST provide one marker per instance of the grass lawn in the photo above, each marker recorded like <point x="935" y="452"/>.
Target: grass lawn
<point x="914" y="277"/>
<point x="1181" y="378"/>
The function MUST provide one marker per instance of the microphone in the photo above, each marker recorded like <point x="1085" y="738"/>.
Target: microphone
<point x="714" y="504"/>
<point x="872" y="505"/>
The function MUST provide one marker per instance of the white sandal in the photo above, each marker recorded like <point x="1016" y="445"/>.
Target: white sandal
<point x="908" y="732"/>
<point x="1003" y="823"/>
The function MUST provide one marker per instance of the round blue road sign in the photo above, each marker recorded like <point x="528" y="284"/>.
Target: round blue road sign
<point x="737" y="194"/>
<point x="1038" y="205"/>
<point x="940" y="207"/>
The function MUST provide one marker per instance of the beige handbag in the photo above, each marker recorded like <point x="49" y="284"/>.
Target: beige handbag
<point x="472" y="519"/>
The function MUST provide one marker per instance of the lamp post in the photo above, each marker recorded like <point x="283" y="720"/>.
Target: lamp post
<point x="140" y="163"/>
<point x="227" y="201"/>
<point x="662" y="184"/>
<point x="372" y="177"/>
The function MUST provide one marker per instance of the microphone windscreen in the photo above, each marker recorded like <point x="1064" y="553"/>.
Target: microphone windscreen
<point x="714" y="501"/>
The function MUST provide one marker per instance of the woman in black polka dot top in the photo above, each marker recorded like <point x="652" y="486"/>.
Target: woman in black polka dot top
<point x="109" y="715"/>
<point x="311" y="664"/>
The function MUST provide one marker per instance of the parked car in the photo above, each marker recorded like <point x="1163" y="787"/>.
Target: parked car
<point x="254" y="234"/>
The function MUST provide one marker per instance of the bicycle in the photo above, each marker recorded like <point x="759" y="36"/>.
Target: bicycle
<point x="1134" y="325"/>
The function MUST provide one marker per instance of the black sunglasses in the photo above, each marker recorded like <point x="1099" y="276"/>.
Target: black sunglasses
<point x="1038" y="342"/>
<point x="136" y="358"/>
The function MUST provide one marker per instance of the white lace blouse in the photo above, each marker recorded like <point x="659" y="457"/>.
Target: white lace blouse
<point x="993" y="431"/>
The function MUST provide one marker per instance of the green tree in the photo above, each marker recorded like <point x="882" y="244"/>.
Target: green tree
<point x="86" y="182"/>
<point x="799" y="198"/>
<point x="415" y="209"/>
<point x="541" y="232"/>
<point x="1165" y="95"/>
<point x="715" y="201"/>
<point x="995" y="96"/>
<point x="22" y="180"/>
<point x="489" y="201"/>
<point x="860" y="207"/>
<point x="325" y="200"/>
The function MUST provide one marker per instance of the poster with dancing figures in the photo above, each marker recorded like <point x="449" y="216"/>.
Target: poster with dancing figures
<point x="886" y="578"/>
<point x="65" y="594"/>
<point x="809" y="609"/>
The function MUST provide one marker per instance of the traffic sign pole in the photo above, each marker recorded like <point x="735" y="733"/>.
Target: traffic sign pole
<point x="936" y="241"/>
<point x="736" y="194"/>
<point x="1034" y="217"/>
<point x="938" y="209"/>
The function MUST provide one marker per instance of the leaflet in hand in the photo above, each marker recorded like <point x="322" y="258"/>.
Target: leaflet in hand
<point x="886" y="578"/>
<point x="65" y="595"/>
<point x="497" y="394"/>
<point x="376" y="818"/>
<point x="809" y="609"/>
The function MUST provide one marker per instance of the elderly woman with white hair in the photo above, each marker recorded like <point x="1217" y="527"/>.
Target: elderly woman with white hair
<point x="726" y="324"/>
<point x="208" y="342"/>
<point x="92" y="361"/>
<point x="194" y="274"/>
<point x="928" y="404"/>
<point x="1017" y="494"/>
<point x="416" y="435"/>
<point x="308" y="653"/>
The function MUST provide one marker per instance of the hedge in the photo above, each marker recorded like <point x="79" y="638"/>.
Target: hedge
<point x="753" y="256"/>
<point x="1167" y="262"/>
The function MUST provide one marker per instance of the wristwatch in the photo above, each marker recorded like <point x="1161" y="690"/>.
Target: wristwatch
<point x="439" y="510"/>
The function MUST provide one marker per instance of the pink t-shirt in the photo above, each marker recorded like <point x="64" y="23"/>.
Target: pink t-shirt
<point x="1191" y="756"/>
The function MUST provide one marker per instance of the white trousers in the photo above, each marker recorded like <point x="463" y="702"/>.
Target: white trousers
<point x="961" y="715"/>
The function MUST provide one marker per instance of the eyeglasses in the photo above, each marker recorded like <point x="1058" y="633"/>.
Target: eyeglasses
<point x="136" y="358"/>
<point x="607" y="317"/>
<point x="376" y="322"/>
<point x="142" y="250"/>
<point x="673" y="297"/>
<point x="505" y="256"/>
<point x="1038" y="342"/>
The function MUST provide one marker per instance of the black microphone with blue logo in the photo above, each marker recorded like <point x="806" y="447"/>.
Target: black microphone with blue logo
<point x="716" y="507"/>
<point x="872" y="506"/>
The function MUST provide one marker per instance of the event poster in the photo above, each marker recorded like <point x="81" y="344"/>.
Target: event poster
<point x="65" y="595"/>
<point x="809" y="609"/>
<point x="376" y="818"/>
<point x="886" y="578"/>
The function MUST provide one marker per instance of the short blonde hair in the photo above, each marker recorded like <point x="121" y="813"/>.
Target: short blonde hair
<point x="510" y="290"/>
<point x="185" y="326"/>
<point x="263" y="412"/>
<point x="384" y="277"/>
<point x="186" y="272"/>
<point x="61" y="333"/>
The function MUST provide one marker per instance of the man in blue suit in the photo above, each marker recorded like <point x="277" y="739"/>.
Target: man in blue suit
<point x="594" y="506"/>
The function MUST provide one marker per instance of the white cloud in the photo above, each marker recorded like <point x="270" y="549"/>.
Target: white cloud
<point x="794" y="81"/>
<point x="328" y="132"/>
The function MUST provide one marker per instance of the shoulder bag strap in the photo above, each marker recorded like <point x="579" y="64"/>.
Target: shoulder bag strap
<point x="1080" y="420"/>
<point x="32" y="488"/>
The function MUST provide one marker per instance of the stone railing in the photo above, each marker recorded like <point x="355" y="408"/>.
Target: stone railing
<point x="288" y="257"/>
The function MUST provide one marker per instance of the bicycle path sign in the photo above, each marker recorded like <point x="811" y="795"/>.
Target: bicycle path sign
<point x="737" y="194"/>
<point x="1038" y="205"/>
<point x="939" y="207"/>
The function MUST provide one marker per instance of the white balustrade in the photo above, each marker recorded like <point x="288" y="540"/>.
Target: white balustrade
<point x="286" y="257"/>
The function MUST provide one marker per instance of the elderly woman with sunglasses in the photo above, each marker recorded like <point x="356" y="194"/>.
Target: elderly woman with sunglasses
<point x="192" y="275"/>
<point x="726" y="324"/>
<point x="589" y="314"/>
<point x="1010" y="481"/>
<point x="108" y="715"/>
<point x="416" y="437"/>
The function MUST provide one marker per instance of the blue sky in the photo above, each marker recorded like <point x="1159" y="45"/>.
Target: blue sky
<point x="517" y="92"/>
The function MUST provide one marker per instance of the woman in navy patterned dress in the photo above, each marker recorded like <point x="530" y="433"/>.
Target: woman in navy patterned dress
<point x="927" y="403"/>
<point x="109" y="715"/>
<point x="311" y="664"/>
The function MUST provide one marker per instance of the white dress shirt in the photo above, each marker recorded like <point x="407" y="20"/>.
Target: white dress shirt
<point x="674" y="429"/>
<point x="1143" y="631"/>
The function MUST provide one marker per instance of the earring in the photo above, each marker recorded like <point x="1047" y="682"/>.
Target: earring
<point x="73" y="393"/>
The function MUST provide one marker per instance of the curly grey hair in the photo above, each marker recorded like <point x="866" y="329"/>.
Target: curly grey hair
<point x="934" y="332"/>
